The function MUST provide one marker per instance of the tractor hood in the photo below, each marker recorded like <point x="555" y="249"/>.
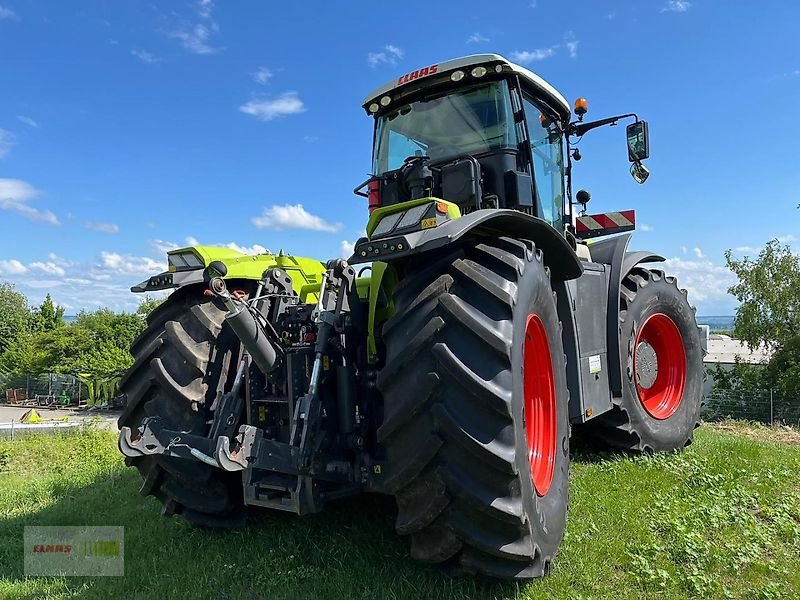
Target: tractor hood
<point x="187" y="266"/>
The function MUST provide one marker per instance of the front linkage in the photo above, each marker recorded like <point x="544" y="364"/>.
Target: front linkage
<point x="302" y="386"/>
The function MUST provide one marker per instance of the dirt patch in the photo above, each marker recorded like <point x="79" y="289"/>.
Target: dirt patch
<point x="763" y="433"/>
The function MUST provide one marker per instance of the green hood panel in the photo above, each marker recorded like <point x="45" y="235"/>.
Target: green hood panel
<point x="306" y="273"/>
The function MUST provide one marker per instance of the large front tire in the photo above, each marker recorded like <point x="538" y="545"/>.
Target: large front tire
<point x="663" y="372"/>
<point x="184" y="361"/>
<point x="476" y="420"/>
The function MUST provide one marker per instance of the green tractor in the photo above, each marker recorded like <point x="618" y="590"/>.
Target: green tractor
<point x="445" y="362"/>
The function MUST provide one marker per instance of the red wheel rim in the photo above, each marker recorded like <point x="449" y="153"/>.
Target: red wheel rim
<point x="664" y="395"/>
<point x="540" y="405"/>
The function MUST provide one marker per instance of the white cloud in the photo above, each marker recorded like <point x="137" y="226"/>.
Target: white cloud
<point x="266" y="109"/>
<point x="292" y="216"/>
<point x="28" y="121"/>
<point x="14" y="196"/>
<point x="388" y="55"/>
<point x="787" y="239"/>
<point x="677" y="6"/>
<point x="196" y="37"/>
<point x="529" y="56"/>
<point x="61" y="262"/>
<point x="102" y="227"/>
<point x="145" y="56"/>
<point x="262" y="75"/>
<point x="644" y="227"/>
<point x="205" y="8"/>
<point x="7" y="141"/>
<point x="49" y="268"/>
<point x="705" y="281"/>
<point x="346" y="248"/>
<point x="747" y="250"/>
<point x="7" y="13"/>
<point x="477" y="38"/>
<point x="12" y="267"/>
<point x="698" y="252"/>
<point x="126" y="264"/>
<point x="162" y="247"/>
<point x="571" y="44"/>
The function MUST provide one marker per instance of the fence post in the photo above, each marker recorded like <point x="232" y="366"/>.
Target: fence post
<point x="771" y="413"/>
<point x="12" y="430"/>
<point x="27" y="386"/>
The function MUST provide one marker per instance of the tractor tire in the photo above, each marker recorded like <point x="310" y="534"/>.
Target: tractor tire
<point x="662" y="376"/>
<point x="184" y="360"/>
<point x="473" y="350"/>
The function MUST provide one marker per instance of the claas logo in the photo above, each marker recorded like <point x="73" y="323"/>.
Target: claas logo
<point x="419" y="73"/>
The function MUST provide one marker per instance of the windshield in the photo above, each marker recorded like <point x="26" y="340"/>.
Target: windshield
<point x="472" y="120"/>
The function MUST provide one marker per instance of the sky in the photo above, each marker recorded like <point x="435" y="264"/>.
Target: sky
<point x="129" y="128"/>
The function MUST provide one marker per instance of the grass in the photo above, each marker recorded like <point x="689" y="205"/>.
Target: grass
<point x="720" y="520"/>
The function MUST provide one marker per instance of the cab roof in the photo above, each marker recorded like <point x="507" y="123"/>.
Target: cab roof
<point x="528" y="78"/>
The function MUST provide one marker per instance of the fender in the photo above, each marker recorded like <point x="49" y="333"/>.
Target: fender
<point x="306" y="273"/>
<point x="559" y="256"/>
<point x="613" y="252"/>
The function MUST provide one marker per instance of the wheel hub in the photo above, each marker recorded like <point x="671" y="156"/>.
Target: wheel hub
<point x="659" y="362"/>
<point x="646" y="365"/>
<point x="540" y="409"/>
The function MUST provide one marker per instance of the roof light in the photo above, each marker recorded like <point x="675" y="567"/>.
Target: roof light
<point x="581" y="106"/>
<point x="373" y="108"/>
<point x="385" y="101"/>
<point x="498" y="69"/>
<point x="457" y="76"/>
<point x="479" y="71"/>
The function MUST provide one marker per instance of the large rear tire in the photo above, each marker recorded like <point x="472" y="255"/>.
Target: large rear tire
<point x="663" y="373"/>
<point x="476" y="421"/>
<point x="184" y="360"/>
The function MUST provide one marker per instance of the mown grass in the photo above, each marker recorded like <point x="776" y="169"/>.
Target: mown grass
<point x="720" y="520"/>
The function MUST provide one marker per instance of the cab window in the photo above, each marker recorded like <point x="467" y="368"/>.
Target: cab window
<point x="548" y="163"/>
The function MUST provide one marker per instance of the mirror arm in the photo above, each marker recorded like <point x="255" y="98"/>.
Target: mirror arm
<point x="578" y="128"/>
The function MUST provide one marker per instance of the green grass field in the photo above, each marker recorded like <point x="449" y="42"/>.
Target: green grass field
<point x="720" y="520"/>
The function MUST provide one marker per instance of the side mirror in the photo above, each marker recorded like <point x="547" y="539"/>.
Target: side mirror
<point x="639" y="172"/>
<point x="638" y="141"/>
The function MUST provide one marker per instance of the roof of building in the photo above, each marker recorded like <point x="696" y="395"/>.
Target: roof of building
<point x="724" y="349"/>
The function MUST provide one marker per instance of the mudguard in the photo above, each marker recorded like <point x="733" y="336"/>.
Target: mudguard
<point x="559" y="256"/>
<point x="613" y="252"/>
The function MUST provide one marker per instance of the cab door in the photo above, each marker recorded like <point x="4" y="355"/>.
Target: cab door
<point x="547" y="160"/>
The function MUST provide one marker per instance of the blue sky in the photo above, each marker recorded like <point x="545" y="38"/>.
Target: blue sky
<point x="130" y="127"/>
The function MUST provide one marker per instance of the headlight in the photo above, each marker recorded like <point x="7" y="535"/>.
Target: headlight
<point x="415" y="218"/>
<point x="184" y="261"/>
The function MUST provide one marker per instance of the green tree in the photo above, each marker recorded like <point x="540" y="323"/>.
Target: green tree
<point x="768" y="289"/>
<point x="47" y="316"/>
<point x="147" y="305"/>
<point x="15" y="317"/>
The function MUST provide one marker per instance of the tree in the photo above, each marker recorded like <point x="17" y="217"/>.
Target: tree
<point x="769" y="314"/>
<point x="14" y="316"/>
<point x="47" y="316"/>
<point x="147" y="305"/>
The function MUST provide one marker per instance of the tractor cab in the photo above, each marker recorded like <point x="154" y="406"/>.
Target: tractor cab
<point x="480" y="132"/>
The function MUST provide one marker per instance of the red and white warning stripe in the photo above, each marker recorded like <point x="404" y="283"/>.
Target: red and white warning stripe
<point x="605" y="223"/>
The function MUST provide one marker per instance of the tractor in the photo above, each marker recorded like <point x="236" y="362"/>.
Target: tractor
<point x="445" y="363"/>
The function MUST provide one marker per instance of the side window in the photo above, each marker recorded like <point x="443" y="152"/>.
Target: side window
<point x="548" y="163"/>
